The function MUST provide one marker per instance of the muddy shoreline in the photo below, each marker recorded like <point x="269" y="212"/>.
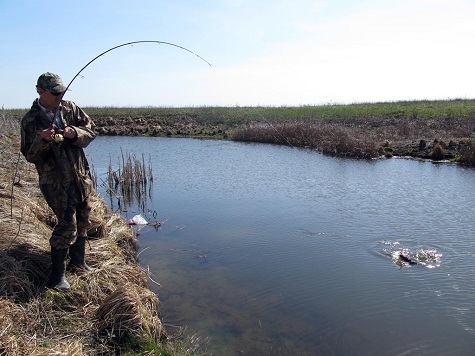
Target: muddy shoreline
<point x="159" y="127"/>
<point x="439" y="145"/>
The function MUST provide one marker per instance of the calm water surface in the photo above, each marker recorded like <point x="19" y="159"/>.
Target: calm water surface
<point x="273" y="251"/>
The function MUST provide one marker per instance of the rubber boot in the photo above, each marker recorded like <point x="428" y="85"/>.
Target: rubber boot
<point x="58" y="269"/>
<point x="77" y="253"/>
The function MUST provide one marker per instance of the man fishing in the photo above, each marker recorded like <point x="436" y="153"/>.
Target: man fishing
<point x="54" y="133"/>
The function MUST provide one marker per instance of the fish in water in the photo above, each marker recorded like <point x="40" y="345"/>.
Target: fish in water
<point x="406" y="259"/>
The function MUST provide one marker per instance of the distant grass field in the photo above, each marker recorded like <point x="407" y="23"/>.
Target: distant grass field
<point x="364" y="130"/>
<point x="459" y="108"/>
<point x="243" y="114"/>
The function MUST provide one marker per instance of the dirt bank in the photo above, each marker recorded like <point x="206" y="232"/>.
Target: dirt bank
<point x="160" y="126"/>
<point x="423" y="138"/>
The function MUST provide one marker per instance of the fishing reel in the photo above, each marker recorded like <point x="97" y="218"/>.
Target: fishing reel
<point x="58" y="138"/>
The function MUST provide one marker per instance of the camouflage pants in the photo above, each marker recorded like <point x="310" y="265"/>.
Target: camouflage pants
<point x="72" y="222"/>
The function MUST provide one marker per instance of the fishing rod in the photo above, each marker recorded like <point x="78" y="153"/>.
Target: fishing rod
<point x="132" y="43"/>
<point x="58" y="137"/>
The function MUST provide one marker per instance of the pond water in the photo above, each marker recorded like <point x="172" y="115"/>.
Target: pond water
<point x="269" y="250"/>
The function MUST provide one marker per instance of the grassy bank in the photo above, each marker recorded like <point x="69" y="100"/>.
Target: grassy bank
<point x="425" y="129"/>
<point x="108" y="311"/>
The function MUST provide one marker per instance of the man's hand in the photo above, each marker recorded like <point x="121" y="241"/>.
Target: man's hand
<point x="69" y="132"/>
<point x="47" y="134"/>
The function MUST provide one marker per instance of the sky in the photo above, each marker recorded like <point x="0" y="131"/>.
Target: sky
<point x="262" y="52"/>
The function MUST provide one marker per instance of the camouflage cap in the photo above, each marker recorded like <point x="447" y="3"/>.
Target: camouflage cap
<point x="51" y="82"/>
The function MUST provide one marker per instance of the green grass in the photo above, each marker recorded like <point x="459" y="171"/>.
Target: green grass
<point x="242" y="114"/>
<point x="458" y="108"/>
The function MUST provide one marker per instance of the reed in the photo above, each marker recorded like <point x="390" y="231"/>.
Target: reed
<point x="130" y="182"/>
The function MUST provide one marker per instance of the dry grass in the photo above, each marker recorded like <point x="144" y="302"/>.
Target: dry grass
<point x="326" y="137"/>
<point x="130" y="182"/>
<point x="369" y="137"/>
<point x="111" y="300"/>
<point x="467" y="153"/>
<point x="129" y="312"/>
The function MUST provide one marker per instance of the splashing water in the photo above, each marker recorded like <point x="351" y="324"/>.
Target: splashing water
<point x="404" y="257"/>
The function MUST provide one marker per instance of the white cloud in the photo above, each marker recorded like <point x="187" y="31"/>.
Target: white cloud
<point x="403" y="50"/>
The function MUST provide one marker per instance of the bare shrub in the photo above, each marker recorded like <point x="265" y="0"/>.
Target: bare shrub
<point x="467" y="152"/>
<point x="438" y="153"/>
<point x="325" y="137"/>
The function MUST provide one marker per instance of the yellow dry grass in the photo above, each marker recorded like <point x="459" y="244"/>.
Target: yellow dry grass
<point x="103" y="307"/>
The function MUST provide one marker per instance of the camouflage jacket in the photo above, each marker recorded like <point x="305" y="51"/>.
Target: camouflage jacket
<point x="63" y="169"/>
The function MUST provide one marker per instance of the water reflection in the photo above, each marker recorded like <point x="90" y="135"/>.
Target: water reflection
<point x="273" y="250"/>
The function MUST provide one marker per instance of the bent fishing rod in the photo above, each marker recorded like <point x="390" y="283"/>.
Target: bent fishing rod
<point x="132" y="43"/>
<point x="59" y="137"/>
